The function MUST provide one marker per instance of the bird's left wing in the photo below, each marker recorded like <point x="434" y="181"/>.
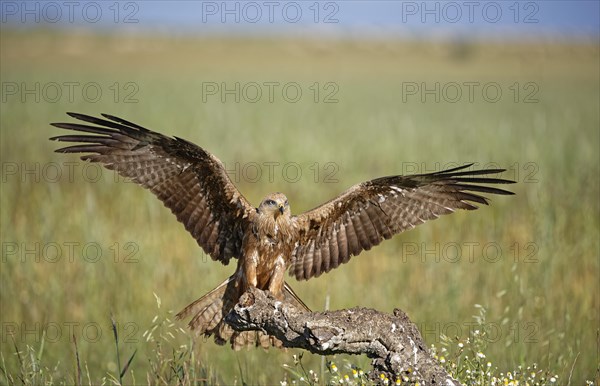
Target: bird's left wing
<point x="187" y="179"/>
<point x="372" y="211"/>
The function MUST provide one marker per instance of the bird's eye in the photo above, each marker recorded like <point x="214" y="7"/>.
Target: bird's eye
<point x="286" y="203"/>
<point x="270" y="202"/>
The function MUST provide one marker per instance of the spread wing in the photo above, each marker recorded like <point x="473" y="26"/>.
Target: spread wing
<point x="186" y="178"/>
<point x="372" y="211"/>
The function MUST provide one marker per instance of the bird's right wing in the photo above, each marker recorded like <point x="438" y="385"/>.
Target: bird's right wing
<point x="187" y="179"/>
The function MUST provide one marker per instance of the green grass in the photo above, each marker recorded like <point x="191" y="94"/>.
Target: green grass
<point x="541" y="295"/>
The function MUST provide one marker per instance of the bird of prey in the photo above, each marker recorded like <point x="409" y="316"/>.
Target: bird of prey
<point x="267" y="240"/>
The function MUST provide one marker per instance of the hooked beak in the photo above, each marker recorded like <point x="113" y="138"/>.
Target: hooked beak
<point x="281" y="209"/>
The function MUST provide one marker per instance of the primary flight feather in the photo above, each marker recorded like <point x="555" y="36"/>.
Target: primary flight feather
<point x="267" y="240"/>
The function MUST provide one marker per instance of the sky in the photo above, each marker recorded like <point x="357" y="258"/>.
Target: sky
<point x="509" y="19"/>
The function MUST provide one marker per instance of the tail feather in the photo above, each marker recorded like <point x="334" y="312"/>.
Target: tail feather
<point x="209" y="311"/>
<point x="198" y="306"/>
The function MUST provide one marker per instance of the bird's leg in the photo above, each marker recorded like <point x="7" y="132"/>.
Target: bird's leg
<point x="276" y="282"/>
<point x="250" y="265"/>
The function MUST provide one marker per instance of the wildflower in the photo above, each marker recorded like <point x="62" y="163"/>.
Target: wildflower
<point x="480" y="355"/>
<point x="460" y="345"/>
<point x="442" y="360"/>
<point x="384" y="379"/>
<point x="333" y="367"/>
<point x="489" y="364"/>
<point x="354" y="373"/>
<point x="553" y="379"/>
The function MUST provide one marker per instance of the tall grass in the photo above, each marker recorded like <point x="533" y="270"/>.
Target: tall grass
<point x="541" y="293"/>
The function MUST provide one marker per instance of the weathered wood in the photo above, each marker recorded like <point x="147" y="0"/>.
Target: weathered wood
<point x="392" y="341"/>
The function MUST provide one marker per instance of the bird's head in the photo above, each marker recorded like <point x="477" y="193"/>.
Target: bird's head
<point x="275" y="204"/>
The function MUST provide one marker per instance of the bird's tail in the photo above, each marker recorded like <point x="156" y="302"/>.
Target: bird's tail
<point x="209" y="311"/>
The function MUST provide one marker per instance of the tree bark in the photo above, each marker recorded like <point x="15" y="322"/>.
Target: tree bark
<point x="392" y="341"/>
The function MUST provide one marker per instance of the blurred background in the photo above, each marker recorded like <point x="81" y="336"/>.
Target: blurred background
<point x="306" y="98"/>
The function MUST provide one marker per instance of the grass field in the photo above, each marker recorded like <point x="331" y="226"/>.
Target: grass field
<point x="79" y="245"/>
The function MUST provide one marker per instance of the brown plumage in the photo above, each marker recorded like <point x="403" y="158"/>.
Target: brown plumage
<point x="268" y="239"/>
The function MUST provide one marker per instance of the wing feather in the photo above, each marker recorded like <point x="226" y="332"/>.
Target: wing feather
<point x="333" y="253"/>
<point x="187" y="179"/>
<point x="308" y="264"/>
<point x="325" y="256"/>
<point x="368" y="213"/>
<point x="342" y="243"/>
<point x="317" y="259"/>
<point x="351" y="235"/>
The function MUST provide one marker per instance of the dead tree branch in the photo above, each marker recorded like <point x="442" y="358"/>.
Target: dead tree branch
<point x="392" y="341"/>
